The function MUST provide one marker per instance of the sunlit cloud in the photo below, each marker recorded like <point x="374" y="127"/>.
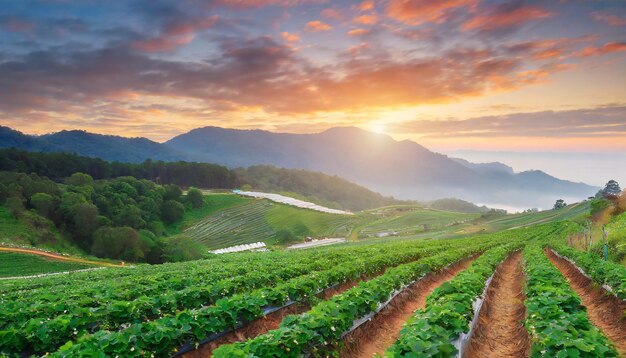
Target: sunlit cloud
<point x="608" y="18"/>
<point x="317" y="26"/>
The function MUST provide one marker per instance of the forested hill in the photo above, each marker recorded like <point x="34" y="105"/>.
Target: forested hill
<point x="317" y="187"/>
<point x="329" y="190"/>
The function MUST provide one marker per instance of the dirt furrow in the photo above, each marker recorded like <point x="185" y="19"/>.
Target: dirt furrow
<point x="605" y="310"/>
<point x="384" y="328"/>
<point x="269" y="322"/>
<point x="500" y="331"/>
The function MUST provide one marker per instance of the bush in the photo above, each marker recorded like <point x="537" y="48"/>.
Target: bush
<point x="195" y="198"/>
<point x="79" y="179"/>
<point x="172" y="192"/>
<point x="181" y="248"/>
<point x="285" y="237"/>
<point x="172" y="211"/>
<point x="15" y="205"/>
<point x="117" y="243"/>
<point x="42" y="203"/>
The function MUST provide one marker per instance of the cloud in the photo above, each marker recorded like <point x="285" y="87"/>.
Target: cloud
<point x="358" y="32"/>
<point x="505" y="16"/>
<point x="289" y="37"/>
<point x="368" y="19"/>
<point x="415" y="12"/>
<point x="332" y="13"/>
<point x="366" y="5"/>
<point x="611" y="19"/>
<point x="592" y="122"/>
<point x="175" y="34"/>
<point x="607" y="48"/>
<point x="246" y="4"/>
<point x="317" y="26"/>
<point x="17" y="24"/>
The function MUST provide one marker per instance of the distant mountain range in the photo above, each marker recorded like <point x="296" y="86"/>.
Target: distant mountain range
<point x="403" y="169"/>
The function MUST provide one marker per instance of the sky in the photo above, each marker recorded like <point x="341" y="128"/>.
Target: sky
<point x="453" y="75"/>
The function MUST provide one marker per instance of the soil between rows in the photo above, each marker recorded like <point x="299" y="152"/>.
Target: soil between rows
<point x="269" y="322"/>
<point x="500" y="331"/>
<point x="384" y="328"/>
<point x="605" y="310"/>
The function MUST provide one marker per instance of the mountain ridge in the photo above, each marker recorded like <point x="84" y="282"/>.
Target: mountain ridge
<point x="403" y="169"/>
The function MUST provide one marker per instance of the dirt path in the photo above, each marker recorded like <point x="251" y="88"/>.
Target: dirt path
<point x="59" y="257"/>
<point x="269" y="322"/>
<point x="500" y="329"/>
<point x="379" y="333"/>
<point x="605" y="310"/>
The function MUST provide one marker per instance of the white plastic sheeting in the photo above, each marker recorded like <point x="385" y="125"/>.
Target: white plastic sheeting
<point x="239" y="248"/>
<point x="291" y="201"/>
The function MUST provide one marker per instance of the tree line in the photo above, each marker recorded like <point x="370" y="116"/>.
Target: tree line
<point x="61" y="165"/>
<point x="121" y="218"/>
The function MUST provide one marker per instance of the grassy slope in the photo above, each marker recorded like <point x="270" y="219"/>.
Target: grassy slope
<point x="259" y="220"/>
<point x="14" y="265"/>
<point x="213" y="203"/>
<point x="21" y="233"/>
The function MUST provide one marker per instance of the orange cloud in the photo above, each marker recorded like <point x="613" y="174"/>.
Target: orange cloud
<point x="366" y="5"/>
<point x="289" y="37"/>
<point x="358" y="32"/>
<point x="610" y="19"/>
<point x="332" y="13"/>
<point x="415" y="12"/>
<point x="504" y="18"/>
<point x="610" y="47"/>
<point x="317" y="26"/>
<point x="366" y="19"/>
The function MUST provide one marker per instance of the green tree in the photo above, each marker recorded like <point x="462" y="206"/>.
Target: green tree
<point x="117" y="243"/>
<point x="172" y="211"/>
<point x="79" y="179"/>
<point x="129" y="215"/>
<point x="172" y="192"/>
<point x="15" y="204"/>
<point x="42" y="203"/>
<point x="559" y="204"/>
<point x="181" y="248"/>
<point x="611" y="189"/>
<point x="85" y="221"/>
<point x="195" y="198"/>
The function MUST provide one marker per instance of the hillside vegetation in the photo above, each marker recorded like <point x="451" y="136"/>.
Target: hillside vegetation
<point x="316" y="187"/>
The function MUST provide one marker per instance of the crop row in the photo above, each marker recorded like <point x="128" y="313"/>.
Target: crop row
<point x="228" y="312"/>
<point x="198" y="285"/>
<point x="319" y="331"/>
<point x="556" y="320"/>
<point x="449" y="310"/>
<point x="42" y="335"/>
<point x="601" y="272"/>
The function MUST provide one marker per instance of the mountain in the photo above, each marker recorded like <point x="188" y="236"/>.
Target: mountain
<point x="493" y="167"/>
<point x="403" y="169"/>
<point x="107" y="147"/>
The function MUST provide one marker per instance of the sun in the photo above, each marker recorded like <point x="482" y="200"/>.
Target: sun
<point x="377" y="127"/>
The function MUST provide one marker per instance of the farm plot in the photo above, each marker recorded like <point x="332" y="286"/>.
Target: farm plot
<point x="260" y="220"/>
<point x="169" y="305"/>
<point x="17" y="264"/>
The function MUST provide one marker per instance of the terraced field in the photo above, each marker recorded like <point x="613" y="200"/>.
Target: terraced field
<point x="260" y="219"/>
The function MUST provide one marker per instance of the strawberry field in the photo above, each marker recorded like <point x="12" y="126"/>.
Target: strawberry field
<point x="177" y="309"/>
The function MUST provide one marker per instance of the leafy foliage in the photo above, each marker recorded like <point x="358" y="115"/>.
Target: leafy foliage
<point x="556" y="319"/>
